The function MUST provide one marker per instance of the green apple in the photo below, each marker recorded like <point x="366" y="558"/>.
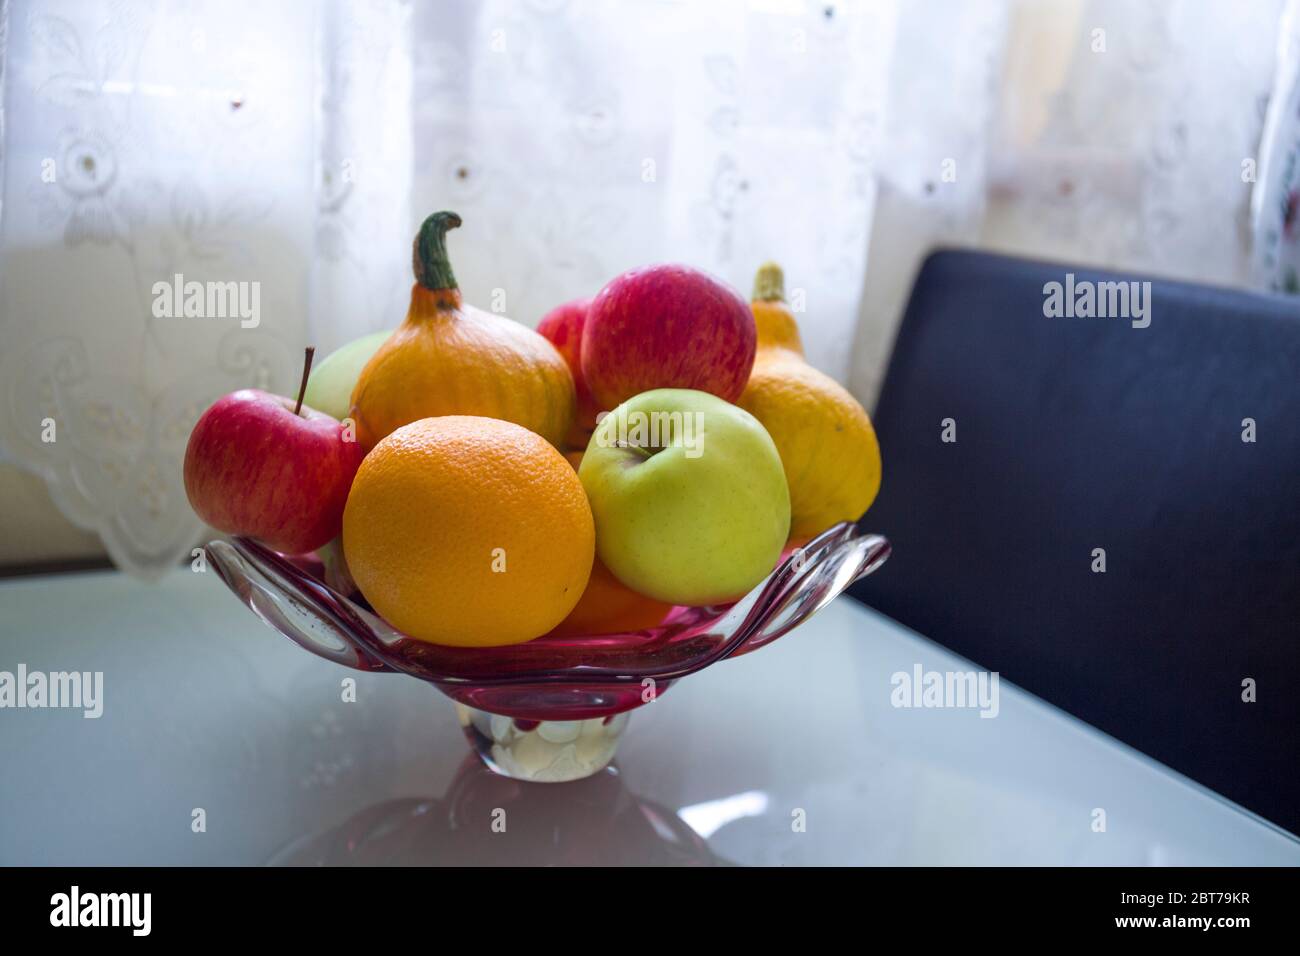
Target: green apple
<point x="689" y="496"/>
<point x="329" y="389"/>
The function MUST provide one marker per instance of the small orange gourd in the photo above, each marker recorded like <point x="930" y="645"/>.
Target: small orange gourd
<point x="450" y="358"/>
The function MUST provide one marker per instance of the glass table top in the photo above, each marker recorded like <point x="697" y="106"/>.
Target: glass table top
<point x="221" y="743"/>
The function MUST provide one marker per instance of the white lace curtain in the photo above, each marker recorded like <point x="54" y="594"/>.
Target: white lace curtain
<point x="297" y="145"/>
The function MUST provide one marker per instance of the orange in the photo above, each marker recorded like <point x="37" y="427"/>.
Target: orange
<point x="468" y="531"/>
<point x="824" y="436"/>
<point x="609" y="606"/>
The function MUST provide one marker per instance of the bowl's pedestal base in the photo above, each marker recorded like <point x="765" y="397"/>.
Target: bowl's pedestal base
<point x="547" y="751"/>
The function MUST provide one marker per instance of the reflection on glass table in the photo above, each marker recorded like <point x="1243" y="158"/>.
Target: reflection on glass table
<point x="595" y="821"/>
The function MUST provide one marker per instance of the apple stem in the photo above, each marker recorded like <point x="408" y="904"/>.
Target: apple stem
<point x="429" y="256"/>
<point x="306" y="371"/>
<point x="641" y="450"/>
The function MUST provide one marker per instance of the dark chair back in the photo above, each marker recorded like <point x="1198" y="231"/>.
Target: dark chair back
<point x="1082" y="433"/>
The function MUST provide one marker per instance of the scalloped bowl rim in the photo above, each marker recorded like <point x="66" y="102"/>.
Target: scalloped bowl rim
<point x="792" y="583"/>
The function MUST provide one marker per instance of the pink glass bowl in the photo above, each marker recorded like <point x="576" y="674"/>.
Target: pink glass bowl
<point x="549" y="709"/>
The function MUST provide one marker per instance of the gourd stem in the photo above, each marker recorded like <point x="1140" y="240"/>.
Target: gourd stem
<point x="429" y="256"/>
<point x="769" y="283"/>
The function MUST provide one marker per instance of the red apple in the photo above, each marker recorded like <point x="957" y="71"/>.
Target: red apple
<point x="562" y="326"/>
<point x="667" y="326"/>
<point x="253" y="467"/>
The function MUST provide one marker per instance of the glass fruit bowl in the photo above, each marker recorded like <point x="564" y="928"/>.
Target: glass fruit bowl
<point x="552" y="709"/>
